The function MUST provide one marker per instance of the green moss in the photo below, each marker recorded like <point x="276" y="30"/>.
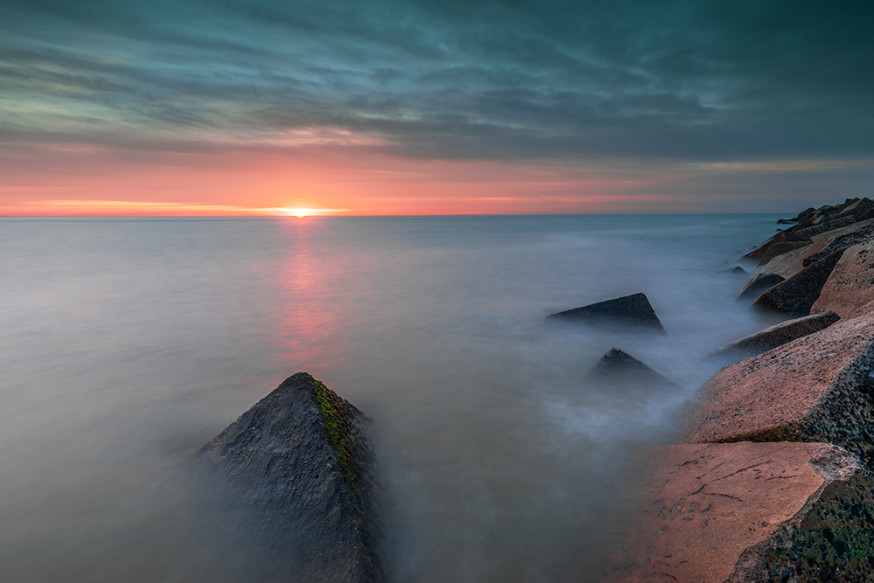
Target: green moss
<point x="834" y="542"/>
<point x="337" y="419"/>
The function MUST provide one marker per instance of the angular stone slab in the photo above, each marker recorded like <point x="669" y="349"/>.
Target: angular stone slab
<point x="814" y="388"/>
<point x="851" y="284"/>
<point x="633" y="310"/>
<point x="779" y="334"/>
<point x="758" y="284"/>
<point x="300" y="459"/>
<point x="714" y="507"/>
<point x="796" y="295"/>
<point x="622" y="369"/>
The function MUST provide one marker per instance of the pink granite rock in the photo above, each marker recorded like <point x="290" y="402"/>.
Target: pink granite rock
<point x="716" y="506"/>
<point x="851" y="284"/>
<point x="814" y="388"/>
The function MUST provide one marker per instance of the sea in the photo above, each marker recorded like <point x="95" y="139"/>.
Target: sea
<point x="126" y="344"/>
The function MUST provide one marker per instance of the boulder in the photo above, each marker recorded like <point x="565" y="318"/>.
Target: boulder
<point x="778" y="244"/>
<point x="634" y="310"/>
<point x="759" y="283"/>
<point x="777" y="249"/>
<point x="716" y="508"/>
<point x="301" y="461"/>
<point x="779" y="334"/>
<point x="815" y="388"/>
<point x="791" y="262"/>
<point x="851" y="284"/>
<point x="620" y="368"/>
<point x="736" y="269"/>
<point x="796" y="295"/>
<point x="863" y="234"/>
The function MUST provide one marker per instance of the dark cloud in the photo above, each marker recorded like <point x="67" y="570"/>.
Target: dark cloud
<point x="694" y="80"/>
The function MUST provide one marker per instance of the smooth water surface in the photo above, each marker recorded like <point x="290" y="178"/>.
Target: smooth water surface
<point x="127" y="344"/>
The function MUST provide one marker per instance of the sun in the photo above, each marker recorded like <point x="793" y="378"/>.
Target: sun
<point x="300" y="212"/>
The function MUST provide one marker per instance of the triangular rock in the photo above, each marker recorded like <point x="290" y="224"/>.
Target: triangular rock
<point x="301" y="460"/>
<point x="633" y="310"/>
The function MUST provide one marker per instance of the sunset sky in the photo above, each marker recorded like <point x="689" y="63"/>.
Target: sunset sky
<point x="161" y="107"/>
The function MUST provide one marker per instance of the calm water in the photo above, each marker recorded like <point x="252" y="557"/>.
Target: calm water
<point x="125" y="345"/>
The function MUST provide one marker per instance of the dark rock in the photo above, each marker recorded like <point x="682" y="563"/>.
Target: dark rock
<point x="787" y="221"/>
<point x="832" y="542"/>
<point x="780" y="334"/>
<point x="301" y="461"/>
<point x="735" y="269"/>
<point x="796" y="295"/>
<point x="759" y="283"/>
<point x="825" y="225"/>
<point x="619" y="367"/>
<point x="633" y="310"/>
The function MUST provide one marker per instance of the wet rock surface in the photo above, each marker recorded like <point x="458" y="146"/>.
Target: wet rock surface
<point x="300" y="460"/>
<point x="779" y="334"/>
<point x="633" y="310"/>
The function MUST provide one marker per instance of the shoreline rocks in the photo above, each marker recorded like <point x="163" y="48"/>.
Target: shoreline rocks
<point x="775" y="480"/>
<point x="301" y="461"/>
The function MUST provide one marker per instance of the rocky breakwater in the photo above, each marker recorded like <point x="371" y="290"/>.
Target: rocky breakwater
<point x="300" y="462"/>
<point x="773" y="482"/>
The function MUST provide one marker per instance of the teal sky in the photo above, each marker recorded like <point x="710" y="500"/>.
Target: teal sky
<point x="660" y="105"/>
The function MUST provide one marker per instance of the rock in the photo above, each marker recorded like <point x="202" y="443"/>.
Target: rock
<point x="851" y="284"/>
<point x="759" y="283"/>
<point x="717" y="507"/>
<point x="825" y="226"/>
<point x="863" y="234"/>
<point x="623" y="369"/>
<point x="791" y="262"/>
<point x="776" y="249"/>
<point x="815" y="388"/>
<point x="633" y="310"/>
<point x="735" y="269"/>
<point x="300" y="459"/>
<point x="779" y="334"/>
<point x="832" y="542"/>
<point x="787" y="221"/>
<point x="778" y="244"/>
<point x="796" y="295"/>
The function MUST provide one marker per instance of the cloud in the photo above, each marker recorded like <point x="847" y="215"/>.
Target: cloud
<point x="560" y="81"/>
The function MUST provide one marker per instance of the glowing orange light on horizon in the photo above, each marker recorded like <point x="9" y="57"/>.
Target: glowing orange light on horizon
<point x="300" y="212"/>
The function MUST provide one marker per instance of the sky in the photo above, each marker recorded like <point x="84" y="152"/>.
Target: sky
<point x="225" y="107"/>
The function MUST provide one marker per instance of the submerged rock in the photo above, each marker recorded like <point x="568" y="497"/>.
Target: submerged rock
<point x="300" y="459"/>
<point x="759" y="283"/>
<point x="716" y="507"/>
<point x="815" y="388"/>
<point x="796" y="295"/>
<point x="779" y="334"/>
<point x="619" y="367"/>
<point x="633" y="310"/>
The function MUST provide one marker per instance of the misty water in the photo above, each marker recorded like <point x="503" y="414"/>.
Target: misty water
<point x="127" y="344"/>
